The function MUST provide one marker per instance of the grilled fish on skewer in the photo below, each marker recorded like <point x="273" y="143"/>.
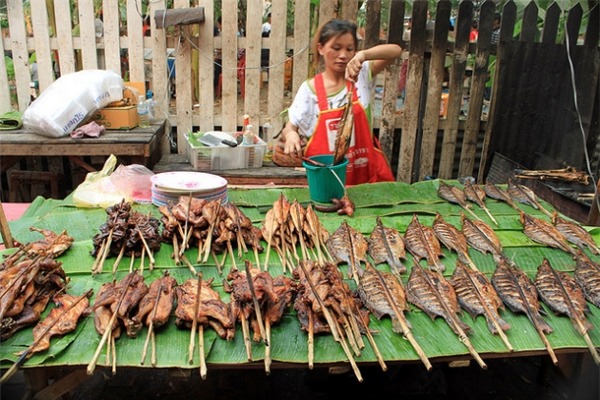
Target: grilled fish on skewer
<point x="495" y="192"/>
<point x="386" y="245"/>
<point x="575" y="233"/>
<point x="420" y="240"/>
<point x="544" y="232"/>
<point x="350" y="246"/>
<point x="456" y="196"/>
<point x="478" y="297"/>
<point x="587" y="275"/>
<point x="563" y="295"/>
<point x="453" y="239"/>
<point x="476" y="194"/>
<point x="345" y="129"/>
<point x="481" y="237"/>
<point x="524" y="195"/>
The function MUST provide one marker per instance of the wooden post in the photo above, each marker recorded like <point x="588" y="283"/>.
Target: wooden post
<point x="593" y="218"/>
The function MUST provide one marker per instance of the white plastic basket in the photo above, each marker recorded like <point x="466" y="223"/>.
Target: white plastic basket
<point x="215" y="158"/>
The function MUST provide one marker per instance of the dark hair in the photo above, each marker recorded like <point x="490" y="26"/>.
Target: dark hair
<point x="332" y="29"/>
<point x="497" y="17"/>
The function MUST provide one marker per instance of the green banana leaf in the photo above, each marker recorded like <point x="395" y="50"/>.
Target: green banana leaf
<point x="395" y="203"/>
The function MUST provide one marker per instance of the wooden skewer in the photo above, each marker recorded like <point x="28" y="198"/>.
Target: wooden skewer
<point x="268" y="348"/>
<point x="257" y="309"/>
<point x="175" y="254"/>
<point x="7" y="237"/>
<point x="246" y="333"/>
<point x="195" y="321"/>
<point x="113" y="344"/>
<point x="99" y="255"/>
<point x="92" y="365"/>
<point x="230" y="251"/>
<point x="106" y="250"/>
<point x="269" y="241"/>
<point x="311" y="339"/>
<point x="184" y="244"/>
<point x="489" y="214"/>
<point x="150" y="256"/>
<point x="131" y="262"/>
<point x="142" y="260"/>
<point x="203" y="369"/>
<point x="119" y="257"/>
<point x="25" y="355"/>
<point x="153" y="359"/>
<point x="151" y="324"/>
<point x="216" y="260"/>
<point x="189" y="264"/>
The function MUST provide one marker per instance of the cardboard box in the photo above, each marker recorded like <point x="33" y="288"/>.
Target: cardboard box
<point x="138" y="89"/>
<point x="124" y="118"/>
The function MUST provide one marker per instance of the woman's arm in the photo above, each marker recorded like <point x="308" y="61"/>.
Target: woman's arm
<point x="382" y="55"/>
<point x="291" y="139"/>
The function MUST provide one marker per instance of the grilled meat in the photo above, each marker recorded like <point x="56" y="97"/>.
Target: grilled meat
<point x="575" y="233"/>
<point x="563" y="295"/>
<point x="52" y="245"/>
<point x="587" y="275"/>
<point x="386" y="245"/>
<point x="545" y="233"/>
<point x="433" y="294"/>
<point x="495" y="192"/>
<point x="476" y="194"/>
<point x="160" y="296"/>
<point x="481" y="237"/>
<point x="477" y="296"/>
<point x="523" y="194"/>
<point x="452" y="238"/>
<point x="518" y="292"/>
<point x="421" y="242"/>
<point x="349" y="246"/>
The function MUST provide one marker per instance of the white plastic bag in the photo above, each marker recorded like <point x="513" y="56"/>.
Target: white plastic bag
<point x="98" y="190"/>
<point x="70" y="100"/>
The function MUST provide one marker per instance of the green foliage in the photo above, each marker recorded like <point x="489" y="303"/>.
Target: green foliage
<point x="10" y="68"/>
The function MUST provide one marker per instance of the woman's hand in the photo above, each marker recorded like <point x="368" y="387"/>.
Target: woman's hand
<point x="292" y="143"/>
<point x="355" y="65"/>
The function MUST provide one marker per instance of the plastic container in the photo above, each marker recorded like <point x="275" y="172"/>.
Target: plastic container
<point x="325" y="183"/>
<point x="223" y="157"/>
<point x="248" y="138"/>
<point x="142" y="110"/>
<point x="151" y="106"/>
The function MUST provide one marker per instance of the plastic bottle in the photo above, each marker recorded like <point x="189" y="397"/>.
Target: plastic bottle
<point x="151" y="106"/>
<point x="142" y="110"/>
<point x="248" y="138"/>
<point x="267" y="136"/>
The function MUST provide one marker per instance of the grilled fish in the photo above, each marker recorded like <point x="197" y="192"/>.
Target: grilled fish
<point x="420" y="240"/>
<point x="481" y="237"/>
<point x="372" y="291"/>
<point x="349" y="246"/>
<point x="345" y="128"/>
<point x="518" y="293"/>
<point x="495" y="192"/>
<point x="575" y="233"/>
<point x="477" y="296"/>
<point x="523" y="194"/>
<point x="454" y="195"/>
<point x="544" y="232"/>
<point x="476" y="194"/>
<point x="563" y="295"/>
<point x="587" y="275"/>
<point x="433" y="294"/>
<point x="386" y="245"/>
<point x="452" y="238"/>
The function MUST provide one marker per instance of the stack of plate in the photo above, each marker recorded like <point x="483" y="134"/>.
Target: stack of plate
<point x="167" y="187"/>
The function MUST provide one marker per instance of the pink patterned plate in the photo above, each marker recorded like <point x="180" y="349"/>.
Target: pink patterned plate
<point x="185" y="181"/>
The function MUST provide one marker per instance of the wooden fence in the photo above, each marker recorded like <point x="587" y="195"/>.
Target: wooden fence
<point x="440" y="59"/>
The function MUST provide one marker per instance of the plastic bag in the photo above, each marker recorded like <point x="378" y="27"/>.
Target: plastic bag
<point x="134" y="181"/>
<point x="70" y="100"/>
<point x="97" y="190"/>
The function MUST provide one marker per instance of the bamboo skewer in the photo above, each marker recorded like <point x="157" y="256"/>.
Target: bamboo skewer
<point x="151" y="326"/>
<point x="131" y="262"/>
<point x="150" y="256"/>
<point x="185" y="230"/>
<point x="246" y="333"/>
<point x="195" y="321"/>
<point x="257" y="310"/>
<point x="268" y="348"/>
<point x="113" y="344"/>
<point x="216" y="260"/>
<point x="26" y="353"/>
<point x="92" y="365"/>
<point x="119" y="257"/>
<point x="203" y="369"/>
<point x="311" y="339"/>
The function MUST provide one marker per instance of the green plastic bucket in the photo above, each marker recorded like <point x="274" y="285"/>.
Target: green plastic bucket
<point x="323" y="185"/>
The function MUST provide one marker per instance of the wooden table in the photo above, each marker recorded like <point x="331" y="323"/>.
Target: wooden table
<point x="268" y="174"/>
<point x="139" y="146"/>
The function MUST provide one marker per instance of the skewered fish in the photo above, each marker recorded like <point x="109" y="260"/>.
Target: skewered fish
<point x="544" y="232"/>
<point x="422" y="243"/>
<point x="386" y="245"/>
<point x="453" y="239"/>
<point x="518" y="292"/>
<point x="348" y="245"/>
<point x="345" y="129"/>
<point x="575" y="233"/>
<point x="523" y="194"/>
<point x="495" y="192"/>
<point x="481" y="237"/>
<point x="476" y="194"/>
<point x="454" y="195"/>
<point x="587" y="275"/>
<point x="563" y="295"/>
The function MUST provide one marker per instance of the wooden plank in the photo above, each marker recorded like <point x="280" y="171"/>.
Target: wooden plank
<point x="206" y="68"/>
<point x="112" y="48"/>
<point x="327" y="10"/>
<point x="187" y="16"/>
<point x="63" y="386"/>
<point x="43" y="53"/>
<point x="229" y="95"/>
<point x="160" y="84"/>
<point x="5" y="102"/>
<point x="593" y="29"/>
<point x="414" y="81"/>
<point x="434" y="90"/>
<point x="183" y="77"/>
<point x="20" y="55"/>
<point x="349" y="10"/>
<point x="529" y="29"/>
<point x="573" y="24"/>
<point x="387" y="124"/>
<point x="456" y="87"/>
<point x="551" y="22"/>
<point x="87" y="31"/>
<point x="64" y="27"/>
<point x="478" y="80"/>
<point x="277" y="59"/>
<point x="252" y="73"/>
<point x="373" y="15"/>
<point x="301" y="45"/>
<point x="135" y="50"/>
<point x="504" y="54"/>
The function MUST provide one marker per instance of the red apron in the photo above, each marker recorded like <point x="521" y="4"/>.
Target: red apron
<point x="366" y="162"/>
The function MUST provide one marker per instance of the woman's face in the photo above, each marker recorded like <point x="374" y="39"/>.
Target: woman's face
<point x="338" y="51"/>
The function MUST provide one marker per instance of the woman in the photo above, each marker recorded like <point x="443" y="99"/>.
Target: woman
<point x="319" y="103"/>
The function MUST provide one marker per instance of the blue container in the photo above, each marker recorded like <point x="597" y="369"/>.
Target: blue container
<point x="326" y="183"/>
